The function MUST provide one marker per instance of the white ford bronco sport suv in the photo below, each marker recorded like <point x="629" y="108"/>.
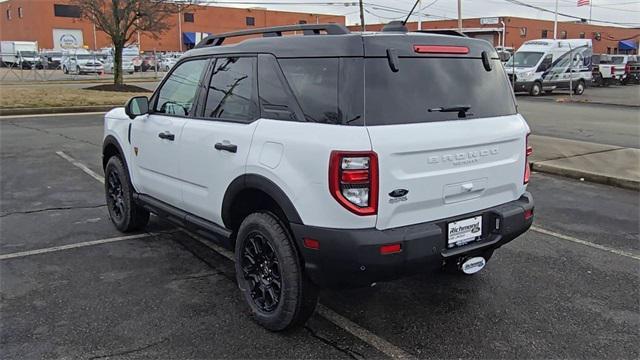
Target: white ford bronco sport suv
<point x="333" y="159"/>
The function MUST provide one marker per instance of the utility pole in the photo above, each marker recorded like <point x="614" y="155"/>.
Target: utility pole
<point x="460" y="15"/>
<point x="362" y="27"/>
<point x="555" y="24"/>
<point x="419" y="14"/>
<point x="180" y="27"/>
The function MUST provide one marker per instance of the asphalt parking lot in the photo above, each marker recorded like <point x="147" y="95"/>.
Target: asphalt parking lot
<point x="71" y="286"/>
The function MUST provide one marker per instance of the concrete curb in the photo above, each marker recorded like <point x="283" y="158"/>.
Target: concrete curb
<point x="585" y="102"/>
<point x="588" y="176"/>
<point x="57" y="110"/>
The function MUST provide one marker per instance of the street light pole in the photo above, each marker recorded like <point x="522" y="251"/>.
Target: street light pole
<point x="460" y="15"/>
<point x="555" y="24"/>
<point x="419" y="14"/>
<point x="362" y="26"/>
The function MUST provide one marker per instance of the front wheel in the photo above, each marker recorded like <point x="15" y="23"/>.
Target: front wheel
<point x="125" y="214"/>
<point x="536" y="89"/>
<point x="270" y="275"/>
<point x="579" y="89"/>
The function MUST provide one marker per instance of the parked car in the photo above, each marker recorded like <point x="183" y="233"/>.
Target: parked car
<point x="335" y="160"/>
<point x="127" y="65"/>
<point x="622" y="65"/>
<point x="144" y="63"/>
<point x="52" y="59"/>
<point x="632" y="71"/>
<point x="82" y="64"/>
<point x="168" y="61"/>
<point x="603" y="71"/>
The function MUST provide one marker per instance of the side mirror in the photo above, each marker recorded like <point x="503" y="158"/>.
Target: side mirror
<point x="136" y="106"/>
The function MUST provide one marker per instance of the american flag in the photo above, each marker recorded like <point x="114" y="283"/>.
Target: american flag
<point x="583" y="2"/>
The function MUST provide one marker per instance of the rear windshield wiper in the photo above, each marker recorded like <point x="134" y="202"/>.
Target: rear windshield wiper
<point x="462" y="110"/>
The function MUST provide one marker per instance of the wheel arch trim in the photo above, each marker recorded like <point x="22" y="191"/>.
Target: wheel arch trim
<point x="261" y="183"/>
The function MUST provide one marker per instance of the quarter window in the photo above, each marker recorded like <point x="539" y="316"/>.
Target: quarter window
<point x="315" y="84"/>
<point x="276" y="100"/>
<point x="178" y="93"/>
<point x="231" y="93"/>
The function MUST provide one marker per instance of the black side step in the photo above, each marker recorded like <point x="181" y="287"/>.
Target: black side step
<point x="186" y="220"/>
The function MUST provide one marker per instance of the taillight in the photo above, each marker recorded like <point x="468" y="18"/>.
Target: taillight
<point x="527" y="167"/>
<point x="353" y="180"/>
<point x="440" y="49"/>
<point x="613" y="70"/>
<point x="627" y="69"/>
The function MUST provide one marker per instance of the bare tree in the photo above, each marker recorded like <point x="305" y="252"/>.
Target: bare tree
<point x="122" y="19"/>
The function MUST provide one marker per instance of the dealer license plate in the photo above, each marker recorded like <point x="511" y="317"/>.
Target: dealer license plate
<point x="464" y="231"/>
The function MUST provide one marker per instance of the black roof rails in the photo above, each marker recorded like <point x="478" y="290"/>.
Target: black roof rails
<point x="307" y="29"/>
<point x="442" y="32"/>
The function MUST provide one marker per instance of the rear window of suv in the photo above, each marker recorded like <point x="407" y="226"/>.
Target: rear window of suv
<point x="430" y="83"/>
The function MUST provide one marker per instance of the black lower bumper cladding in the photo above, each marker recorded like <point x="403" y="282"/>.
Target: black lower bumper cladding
<point x="352" y="258"/>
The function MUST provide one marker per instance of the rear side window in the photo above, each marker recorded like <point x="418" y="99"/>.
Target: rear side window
<point x="232" y="94"/>
<point x="178" y="93"/>
<point x="276" y="100"/>
<point x="434" y="83"/>
<point x="314" y="82"/>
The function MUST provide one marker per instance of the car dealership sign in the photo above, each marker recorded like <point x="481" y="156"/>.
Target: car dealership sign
<point x="65" y="39"/>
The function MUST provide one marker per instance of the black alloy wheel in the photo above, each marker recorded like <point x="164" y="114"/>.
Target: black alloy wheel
<point x="261" y="269"/>
<point x="115" y="199"/>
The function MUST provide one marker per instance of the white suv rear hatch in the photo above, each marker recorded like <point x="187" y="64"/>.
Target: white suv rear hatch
<point x="446" y="130"/>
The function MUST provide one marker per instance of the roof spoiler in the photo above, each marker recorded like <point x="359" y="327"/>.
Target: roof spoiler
<point x="307" y="29"/>
<point x="442" y="32"/>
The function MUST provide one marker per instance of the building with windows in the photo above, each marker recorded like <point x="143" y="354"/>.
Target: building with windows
<point x="57" y="24"/>
<point x="514" y="31"/>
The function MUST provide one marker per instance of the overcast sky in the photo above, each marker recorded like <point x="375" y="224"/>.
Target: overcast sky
<point x="622" y="11"/>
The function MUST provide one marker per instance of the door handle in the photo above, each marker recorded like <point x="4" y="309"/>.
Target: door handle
<point x="167" y="136"/>
<point x="226" y="147"/>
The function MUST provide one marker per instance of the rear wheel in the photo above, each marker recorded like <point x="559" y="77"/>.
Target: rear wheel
<point x="536" y="89"/>
<point x="270" y="276"/>
<point x="125" y="214"/>
<point x="579" y="89"/>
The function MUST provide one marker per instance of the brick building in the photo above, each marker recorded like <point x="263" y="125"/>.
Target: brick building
<point x="57" y="24"/>
<point x="606" y="39"/>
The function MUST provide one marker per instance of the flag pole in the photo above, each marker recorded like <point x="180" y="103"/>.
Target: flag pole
<point x="590" y="9"/>
<point x="555" y="24"/>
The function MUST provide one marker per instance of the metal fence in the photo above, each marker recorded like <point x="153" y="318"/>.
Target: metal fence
<point x="59" y="66"/>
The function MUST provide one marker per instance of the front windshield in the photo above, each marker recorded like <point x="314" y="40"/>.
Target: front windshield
<point x="524" y="59"/>
<point x="87" y="57"/>
<point x="27" y="53"/>
<point x="618" y="60"/>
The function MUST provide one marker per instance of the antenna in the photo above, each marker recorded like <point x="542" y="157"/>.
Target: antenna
<point x="410" y="12"/>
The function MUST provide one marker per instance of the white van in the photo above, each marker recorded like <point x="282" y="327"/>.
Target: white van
<point x="543" y="65"/>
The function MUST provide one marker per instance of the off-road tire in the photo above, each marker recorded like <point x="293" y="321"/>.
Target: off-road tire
<point x="298" y="296"/>
<point x="128" y="216"/>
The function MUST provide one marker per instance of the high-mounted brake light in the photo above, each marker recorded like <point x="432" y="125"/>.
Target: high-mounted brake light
<point x="440" y="49"/>
<point x="527" y="167"/>
<point x="353" y="180"/>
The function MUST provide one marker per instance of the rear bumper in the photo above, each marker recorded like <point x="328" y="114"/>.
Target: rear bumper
<point x="351" y="258"/>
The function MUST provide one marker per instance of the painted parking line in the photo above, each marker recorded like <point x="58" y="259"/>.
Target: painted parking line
<point x="81" y="166"/>
<point x="74" y="246"/>
<point x="338" y="320"/>
<point x="585" y="243"/>
<point x="50" y="115"/>
<point x="347" y="325"/>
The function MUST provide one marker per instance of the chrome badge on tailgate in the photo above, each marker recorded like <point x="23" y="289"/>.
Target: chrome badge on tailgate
<point x="463" y="157"/>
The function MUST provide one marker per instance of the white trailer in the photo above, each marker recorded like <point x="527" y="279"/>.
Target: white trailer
<point x="19" y="52"/>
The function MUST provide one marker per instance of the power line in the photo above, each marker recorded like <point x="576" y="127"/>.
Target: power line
<point x="517" y="2"/>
